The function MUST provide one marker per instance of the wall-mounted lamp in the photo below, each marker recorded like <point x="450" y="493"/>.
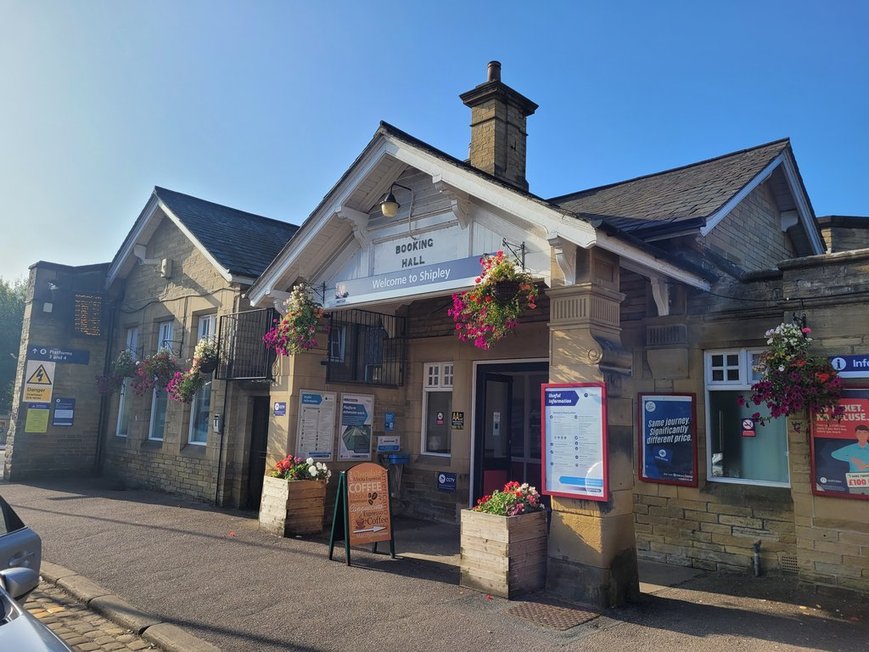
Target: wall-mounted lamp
<point x="217" y="423"/>
<point x="389" y="204"/>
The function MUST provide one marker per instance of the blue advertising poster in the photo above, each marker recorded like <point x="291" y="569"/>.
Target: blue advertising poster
<point x="64" y="412"/>
<point x="840" y="449"/>
<point x="668" y="439"/>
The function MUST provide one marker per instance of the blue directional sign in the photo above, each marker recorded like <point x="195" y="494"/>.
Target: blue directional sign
<point x="56" y="354"/>
<point x="851" y="366"/>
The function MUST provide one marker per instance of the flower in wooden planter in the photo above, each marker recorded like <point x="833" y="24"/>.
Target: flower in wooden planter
<point x="295" y="468"/>
<point x="296" y="330"/>
<point x="515" y="499"/>
<point x="489" y="311"/>
<point x="792" y="378"/>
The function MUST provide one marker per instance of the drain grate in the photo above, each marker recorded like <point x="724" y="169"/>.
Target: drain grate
<point x="788" y="563"/>
<point x="555" y="616"/>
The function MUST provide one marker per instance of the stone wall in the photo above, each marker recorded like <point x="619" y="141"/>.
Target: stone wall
<point x="48" y="322"/>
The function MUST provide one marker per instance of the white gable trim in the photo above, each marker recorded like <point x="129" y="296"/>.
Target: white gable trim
<point x="805" y="214"/>
<point x="145" y="218"/>
<point x="549" y="221"/>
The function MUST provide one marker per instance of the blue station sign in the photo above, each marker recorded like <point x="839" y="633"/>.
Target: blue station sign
<point x="56" y="354"/>
<point x="851" y="366"/>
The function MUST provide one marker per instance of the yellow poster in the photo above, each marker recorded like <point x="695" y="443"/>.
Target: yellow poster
<point x="39" y="381"/>
<point x="37" y="419"/>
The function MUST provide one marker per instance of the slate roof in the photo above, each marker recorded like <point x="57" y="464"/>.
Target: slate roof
<point x="241" y="242"/>
<point x="684" y="196"/>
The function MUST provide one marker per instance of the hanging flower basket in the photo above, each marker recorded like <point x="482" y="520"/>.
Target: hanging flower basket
<point x="205" y="357"/>
<point x="123" y="367"/>
<point x="296" y="330"/>
<point x="793" y="379"/>
<point x="184" y="384"/>
<point x="489" y="311"/>
<point x="154" y="371"/>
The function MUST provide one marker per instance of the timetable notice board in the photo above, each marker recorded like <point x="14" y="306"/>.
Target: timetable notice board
<point x="574" y="440"/>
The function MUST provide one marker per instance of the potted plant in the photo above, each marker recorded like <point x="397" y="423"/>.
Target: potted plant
<point x="489" y="311"/>
<point x="296" y="330"/>
<point x="503" y="542"/>
<point x="154" y="371"/>
<point x="792" y="378"/>
<point x="205" y="355"/>
<point x="183" y="385"/>
<point x="123" y="367"/>
<point x="294" y="497"/>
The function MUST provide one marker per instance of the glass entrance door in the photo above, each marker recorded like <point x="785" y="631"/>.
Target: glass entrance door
<point x="507" y="428"/>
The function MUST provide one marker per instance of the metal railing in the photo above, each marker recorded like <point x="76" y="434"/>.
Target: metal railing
<point x="366" y="347"/>
<point x="243" y="354"/>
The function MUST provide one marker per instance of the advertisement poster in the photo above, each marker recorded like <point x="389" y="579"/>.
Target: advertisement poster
<point x="357" y="419"/>
<point x="368" y="504"/>
<point x="316" y="427"/>
<point x="840" y="449"/>
<point x="668" y="439"/>
<point x="574" y="440"/>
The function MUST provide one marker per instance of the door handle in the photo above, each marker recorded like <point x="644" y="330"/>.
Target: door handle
<point x="19" y="559"/>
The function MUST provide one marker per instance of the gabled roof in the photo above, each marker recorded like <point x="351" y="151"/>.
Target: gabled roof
<point x="239" y="244"/>
<point x="242" y="243"/>
<point x="688" y="195"/>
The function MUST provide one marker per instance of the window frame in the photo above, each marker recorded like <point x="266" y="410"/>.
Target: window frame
<point x="747" y="377"/>
<point x="131" y="344"/>
<point x="441" y="381"/>
<point x="151" y="422"/>
<point x="194" y="413"/>
<point x="165" y="335"/>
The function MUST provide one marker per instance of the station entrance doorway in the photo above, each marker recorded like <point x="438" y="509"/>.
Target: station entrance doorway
<point x="507" y="425"/>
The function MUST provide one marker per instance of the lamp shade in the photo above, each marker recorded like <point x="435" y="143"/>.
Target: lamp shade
<point x="389" y="206"/>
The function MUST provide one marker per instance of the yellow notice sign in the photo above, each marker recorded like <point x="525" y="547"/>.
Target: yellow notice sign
<point x="37" y="419"/>
<point x="39" y="381"/>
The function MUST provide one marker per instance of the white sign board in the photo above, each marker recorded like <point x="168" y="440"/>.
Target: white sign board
<point x="574" y="441"/>
<point x="357" y="421"/>
<point x="316" y="428"/>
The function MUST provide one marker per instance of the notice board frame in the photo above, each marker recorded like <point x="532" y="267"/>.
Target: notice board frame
<point x="641" y="438"/>
<point x="813" y="426"/>
<point x="544" y="450"/>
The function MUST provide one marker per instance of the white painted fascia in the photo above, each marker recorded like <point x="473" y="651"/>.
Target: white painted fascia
<point x="797" y="193"/>
<point x="211" y="259"/>
<point x="647" y="264"/>
<point x="132" y="239"/>
<point x="734" y="201"/>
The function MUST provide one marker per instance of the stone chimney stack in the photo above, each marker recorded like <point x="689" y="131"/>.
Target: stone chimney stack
<point x="498" y="128"/>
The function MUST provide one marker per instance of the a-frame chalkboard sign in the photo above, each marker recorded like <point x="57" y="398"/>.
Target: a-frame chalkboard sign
<point x="363" y="512"/>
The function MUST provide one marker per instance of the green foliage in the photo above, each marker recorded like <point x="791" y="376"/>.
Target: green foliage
<point x="12" y="295"/>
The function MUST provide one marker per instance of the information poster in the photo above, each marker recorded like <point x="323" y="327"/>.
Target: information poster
<point x="668" y="439"/>
<point x="357" y="419"/>
<point x="840" y="449"/>
<point x="64" y="412"/>
<point x="316" y="428"/>
<point x="36" y="420"/>
<point x="574" y="440"/>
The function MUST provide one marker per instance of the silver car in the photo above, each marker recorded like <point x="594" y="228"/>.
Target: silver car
<point x="20" y="558"/>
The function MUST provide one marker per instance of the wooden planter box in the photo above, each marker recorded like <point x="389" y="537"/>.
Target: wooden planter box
<point x="501" y="555"/>
<point x="290" y="508"/>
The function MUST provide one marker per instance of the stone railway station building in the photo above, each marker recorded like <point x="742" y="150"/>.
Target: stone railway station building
<point x="660" y="285"/>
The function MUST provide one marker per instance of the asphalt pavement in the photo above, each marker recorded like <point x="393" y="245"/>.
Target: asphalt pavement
<point x="214" y="574"/>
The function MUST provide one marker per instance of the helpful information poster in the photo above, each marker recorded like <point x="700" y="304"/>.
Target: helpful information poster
<point x="840" y="449"/>
<point x="574" y="441"/>
<point x="668" y="440"/>
<point x="316" y="428"/>
<point x="357" y="419"/>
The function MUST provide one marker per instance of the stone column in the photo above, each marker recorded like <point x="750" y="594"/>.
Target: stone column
<point x="592" y="548"/>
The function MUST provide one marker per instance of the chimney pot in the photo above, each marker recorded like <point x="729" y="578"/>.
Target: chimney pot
<point x="494" y="71"/>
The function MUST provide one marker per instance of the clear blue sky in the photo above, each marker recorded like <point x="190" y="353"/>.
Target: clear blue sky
<point x="263" y="105"/>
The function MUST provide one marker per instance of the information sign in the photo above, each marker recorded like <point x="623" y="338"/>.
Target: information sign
<point x="36" y="420"/>
<point x="840" y="449"/>
<point x="38" y="381"/>
<point x="315" y="434"/>
<point x="851" y="366"/>
<point x="388" y="443"/>
<point x="447" y="482"/>
<point x="357" y="419"/>
<point x="668" y="439"/>
<point x="279" y="409"/>
<point x="64" y="412"/>
<point x="573" y="436"/>
<point x="56" y="354"/>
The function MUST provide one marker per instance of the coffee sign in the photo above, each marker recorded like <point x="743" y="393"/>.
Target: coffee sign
<point x="368" y="504"/>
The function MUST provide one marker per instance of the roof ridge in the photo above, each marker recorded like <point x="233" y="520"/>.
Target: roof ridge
<point x="577" y="193"/>
<point x="158" y="189"/>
